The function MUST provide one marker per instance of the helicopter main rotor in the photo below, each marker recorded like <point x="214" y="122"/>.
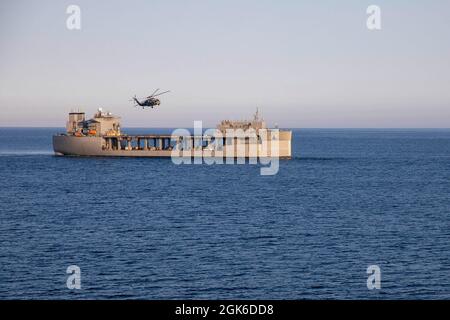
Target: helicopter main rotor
<point x="155" y="95"/>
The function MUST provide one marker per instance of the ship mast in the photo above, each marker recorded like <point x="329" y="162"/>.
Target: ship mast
<point x="256" y="116"/>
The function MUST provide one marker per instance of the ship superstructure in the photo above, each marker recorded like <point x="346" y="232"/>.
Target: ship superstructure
<point x="102" y="124"/>
<point x="257" y="123"/>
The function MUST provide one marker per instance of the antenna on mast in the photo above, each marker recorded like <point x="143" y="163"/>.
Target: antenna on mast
<point x="256" y="116"/>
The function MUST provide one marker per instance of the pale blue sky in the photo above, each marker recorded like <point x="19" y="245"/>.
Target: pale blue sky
<point x="304" y="63"/>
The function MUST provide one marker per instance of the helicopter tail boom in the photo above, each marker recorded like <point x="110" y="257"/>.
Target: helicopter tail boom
<point x="137" y="101"/>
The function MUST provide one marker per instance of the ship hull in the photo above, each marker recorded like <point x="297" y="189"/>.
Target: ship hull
<point x="93" y="147"/>
<point x="69" y="145"/>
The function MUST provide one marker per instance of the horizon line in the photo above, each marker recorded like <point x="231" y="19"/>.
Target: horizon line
<point x="297" y="128"/>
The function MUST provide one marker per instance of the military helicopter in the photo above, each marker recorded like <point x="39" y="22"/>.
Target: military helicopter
<point x="150" y="101"/>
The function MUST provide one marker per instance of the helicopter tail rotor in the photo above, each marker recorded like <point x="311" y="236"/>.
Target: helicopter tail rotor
<point x="135" y="100"/>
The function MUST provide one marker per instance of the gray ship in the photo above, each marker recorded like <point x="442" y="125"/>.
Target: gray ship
<point x="102" y="136"/>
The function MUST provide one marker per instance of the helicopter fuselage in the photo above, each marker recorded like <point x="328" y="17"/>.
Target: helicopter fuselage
<point x="148" y="103"/>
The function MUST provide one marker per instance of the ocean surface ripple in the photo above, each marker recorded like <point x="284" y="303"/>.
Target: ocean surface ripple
<point x="149" y="229"/>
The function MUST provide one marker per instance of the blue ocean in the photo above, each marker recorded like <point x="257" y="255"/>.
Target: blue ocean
<point x="150" y="229"/>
